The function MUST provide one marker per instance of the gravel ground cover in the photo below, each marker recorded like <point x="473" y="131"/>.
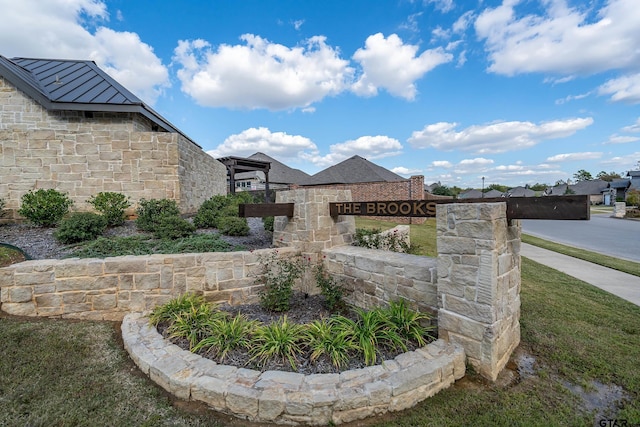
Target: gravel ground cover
<point x="39" y="243"/>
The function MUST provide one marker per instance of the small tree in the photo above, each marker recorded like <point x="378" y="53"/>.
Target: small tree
<point x="582" y="175"/>
<point x="442" y="190"/>
<point x="608" y="176"/>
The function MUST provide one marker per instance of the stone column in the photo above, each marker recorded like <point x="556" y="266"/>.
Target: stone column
<point x="619" y="209"/>
<point x="311" y="229"/>
<point x="479" y="282"/>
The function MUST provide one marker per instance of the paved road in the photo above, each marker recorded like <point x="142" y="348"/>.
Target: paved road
<point x="610" y="236"/>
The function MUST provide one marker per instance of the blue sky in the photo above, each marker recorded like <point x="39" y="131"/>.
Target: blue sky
<point x="518" y="92"/>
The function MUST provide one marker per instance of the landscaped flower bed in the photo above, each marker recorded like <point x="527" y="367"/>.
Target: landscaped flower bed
<point x="331" y="343"/>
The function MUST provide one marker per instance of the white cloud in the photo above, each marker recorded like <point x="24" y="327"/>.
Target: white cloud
<point x="369" y="147"/>
<point x="566" y="157"/>
<point x="442" y="5"/>
<point x="63" y="32"/>
<point x="261" y="74"/>
<point x="621" y="139"/>
<point x="441" y="164"/>
<point x="495" y="137"/>
<point x="477" y="165"/>
<point x="388" y="63"/>
<point x="572" y="98"/>
<point x="623" y="89"/>
<point x="401" y="170"/>
<point x="563" y="40"/>
<point x="623" y="163"/>
<point x="279" y="145"/>
<point x="412" y="23"/>
<point x="298" y="24"/>
<point x="478" y="161"/>
<point x="463" y="22"/>
<point x="633" y="128"/>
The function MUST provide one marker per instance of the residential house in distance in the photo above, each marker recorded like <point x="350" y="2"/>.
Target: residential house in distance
<point x="493" y="193"/>
<point x="634" y="177"/>
<point x="281" y="176"/>
<point x="520" y="192"/>
<point x="67" y="125"/>
<point x="368" y="181"/>
<point x="471" y="194"/>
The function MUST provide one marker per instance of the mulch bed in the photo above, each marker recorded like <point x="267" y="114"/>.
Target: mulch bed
<point x="304" y="309"/>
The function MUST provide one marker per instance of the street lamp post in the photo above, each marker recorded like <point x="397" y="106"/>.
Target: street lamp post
<point x="482" y="187"/>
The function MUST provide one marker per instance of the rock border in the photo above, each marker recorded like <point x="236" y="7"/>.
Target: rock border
<point x="290" y="397"/>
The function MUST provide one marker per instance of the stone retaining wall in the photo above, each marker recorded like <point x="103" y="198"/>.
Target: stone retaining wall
<point x="375" y="278"/>
<point x="109" y="288"/>
<point x="289" y="397"/>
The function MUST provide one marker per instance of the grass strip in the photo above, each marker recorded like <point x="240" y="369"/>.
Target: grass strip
<point x="625" y="266"/>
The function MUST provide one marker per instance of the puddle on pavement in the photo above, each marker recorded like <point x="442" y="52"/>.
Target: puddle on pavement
<point x="604" y="399"/>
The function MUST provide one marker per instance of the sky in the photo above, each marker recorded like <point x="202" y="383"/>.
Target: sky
<point x="515" y="91"/>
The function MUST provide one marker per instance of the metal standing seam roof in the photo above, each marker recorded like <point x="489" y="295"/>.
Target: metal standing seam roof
<point x="60" y="84"/>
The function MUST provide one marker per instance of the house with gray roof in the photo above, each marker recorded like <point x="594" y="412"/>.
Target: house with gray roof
<point x="67" y="125"/>
<point x="281" y="176"/>
<point x="353" y="170"/>
<point x="520" y="192"/>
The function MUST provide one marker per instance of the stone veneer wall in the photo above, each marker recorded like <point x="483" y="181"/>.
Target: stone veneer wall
<point x="479" y="282"/>
<point x="107" y="289"/>
<point x="374" y="278"/>
<point x="83" y="156"/>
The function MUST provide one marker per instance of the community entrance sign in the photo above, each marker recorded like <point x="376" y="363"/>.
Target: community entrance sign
<point x="550" y="207"/>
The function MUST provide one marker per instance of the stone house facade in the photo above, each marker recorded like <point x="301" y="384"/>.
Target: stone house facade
<point x="82" y="147"/>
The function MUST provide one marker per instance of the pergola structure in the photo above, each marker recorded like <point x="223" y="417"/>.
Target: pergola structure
<point x="242" y="164"/>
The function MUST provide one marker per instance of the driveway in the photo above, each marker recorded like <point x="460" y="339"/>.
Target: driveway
<point x="616" y="237"/>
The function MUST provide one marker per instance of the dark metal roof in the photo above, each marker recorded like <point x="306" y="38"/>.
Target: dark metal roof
<point x="59" y="84"/>
<point x="354" y="170"/>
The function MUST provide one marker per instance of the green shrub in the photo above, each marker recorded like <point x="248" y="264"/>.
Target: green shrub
<point x="195" y="323"/>
<point x="375" y="239"/>
<point x="411" y="325"/>
<point x="370" y="330"/>
<point x="281" y="339"/>
<point x="633" y="198"/>
<point x="327" y="338"/>
<point x="111" y="205"/>
<point x="229" y="335"/>
<point x="209" y="212"/>
<point x="217" y="207"/>
<point x="267" y="222"/>
<point x="233" y="226"/>
<point x="181" y="304"/>
<point x="80" y="227"/>
<point x="150" y="212"/>
<point x="278" y="277"/>
<point x="172" y="227"/>
<point x="329" y="288"/>
<point x="206" y="219"/>
<point x="45" y="208"/>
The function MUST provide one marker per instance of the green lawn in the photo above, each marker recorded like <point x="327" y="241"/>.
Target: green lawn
<point x="75" y="373"/>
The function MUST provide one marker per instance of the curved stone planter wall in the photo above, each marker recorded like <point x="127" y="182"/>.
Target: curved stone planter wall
<point x="289" y="397"/>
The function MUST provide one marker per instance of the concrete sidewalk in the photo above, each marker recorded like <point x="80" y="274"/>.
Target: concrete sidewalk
<point x="620" y="284"/>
